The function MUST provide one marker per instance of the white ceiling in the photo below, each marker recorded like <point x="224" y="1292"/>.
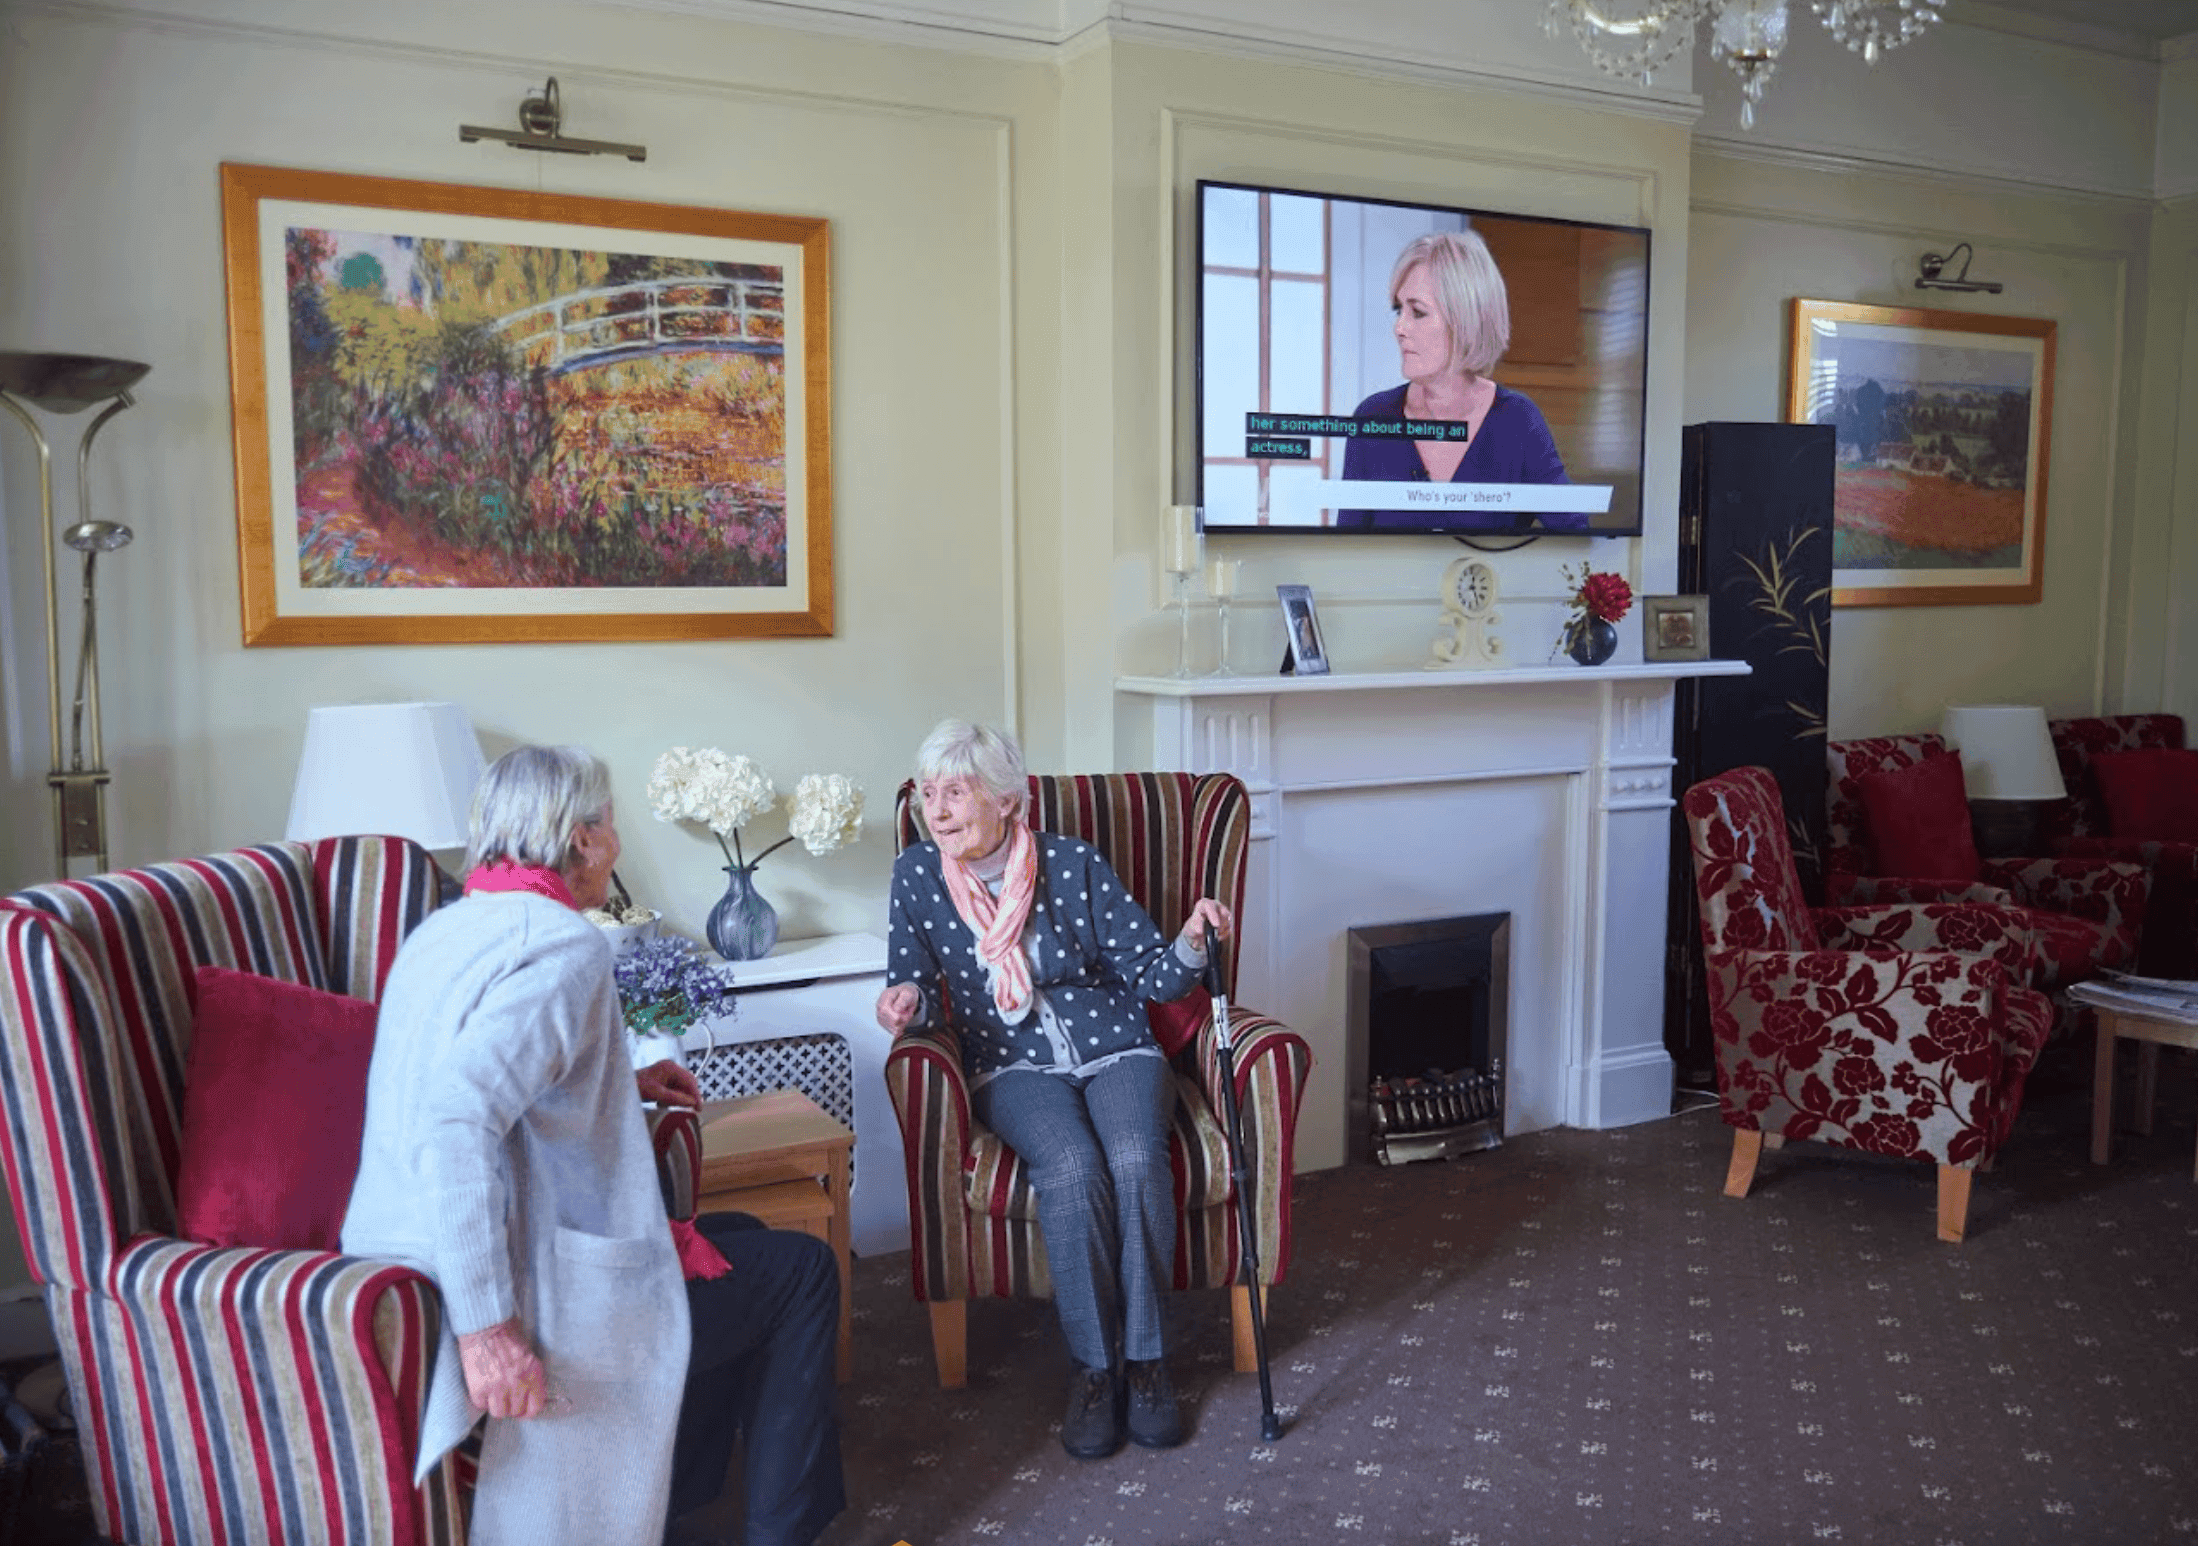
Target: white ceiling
<point x="2154" y="21"/>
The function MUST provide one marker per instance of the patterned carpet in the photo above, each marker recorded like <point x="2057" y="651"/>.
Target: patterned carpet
<point x="1575" y="1339"/>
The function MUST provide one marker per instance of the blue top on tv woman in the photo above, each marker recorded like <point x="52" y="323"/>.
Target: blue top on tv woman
<point x="1453" y="325"/>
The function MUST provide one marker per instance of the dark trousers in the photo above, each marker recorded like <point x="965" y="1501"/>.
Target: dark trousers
<point x="762" y="1363"/>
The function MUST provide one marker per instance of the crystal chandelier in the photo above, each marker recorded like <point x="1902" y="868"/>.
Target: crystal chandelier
<point x="1636" y="38"/>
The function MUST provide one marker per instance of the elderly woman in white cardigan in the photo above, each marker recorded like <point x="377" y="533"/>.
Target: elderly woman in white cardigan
<point x="1048" y="963"/>
<point x="505" y="1156"/>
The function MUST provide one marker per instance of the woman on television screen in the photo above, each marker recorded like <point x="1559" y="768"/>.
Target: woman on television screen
<point x="1453" y="325"/>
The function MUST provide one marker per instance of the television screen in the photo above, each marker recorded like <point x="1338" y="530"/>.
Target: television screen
<point x="1372" y="366"/>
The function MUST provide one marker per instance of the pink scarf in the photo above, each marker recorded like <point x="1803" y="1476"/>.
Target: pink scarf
<point x="998" y="921"/>
<point x="504" y="875"/>
<point x="697" y="1257"/>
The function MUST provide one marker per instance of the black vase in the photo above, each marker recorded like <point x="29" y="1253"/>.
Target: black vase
<point x="1591" y="641"/>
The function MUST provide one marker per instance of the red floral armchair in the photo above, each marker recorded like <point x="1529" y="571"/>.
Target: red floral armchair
<point x="1899" y="1030"/>
<point x="2079" y="828"/>
<point x="2087" y="913"/>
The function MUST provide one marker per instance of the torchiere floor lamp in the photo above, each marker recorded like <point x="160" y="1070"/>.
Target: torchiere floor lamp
<point x="70" y="383"/>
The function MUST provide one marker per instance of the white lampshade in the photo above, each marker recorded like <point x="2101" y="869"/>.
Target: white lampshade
<point x="2006" y="751"/>
<point x="398" y="769"/>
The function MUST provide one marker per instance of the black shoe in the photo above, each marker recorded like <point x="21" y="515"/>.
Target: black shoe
<point x="1092" y="1427"/>
<point x="1155" y="1420"/>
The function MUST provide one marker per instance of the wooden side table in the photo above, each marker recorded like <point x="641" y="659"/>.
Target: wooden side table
<point x="2152" y="1033"/>
<point x="763" y="1154"/>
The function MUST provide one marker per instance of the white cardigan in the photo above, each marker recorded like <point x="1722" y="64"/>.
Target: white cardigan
<point x="505" y="1156"/>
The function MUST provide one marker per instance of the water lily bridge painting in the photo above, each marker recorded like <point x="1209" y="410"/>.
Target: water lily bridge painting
<point x="531" y="417"/>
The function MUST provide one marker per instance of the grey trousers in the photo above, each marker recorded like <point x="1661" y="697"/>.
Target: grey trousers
<point x="1097" y="1150"/>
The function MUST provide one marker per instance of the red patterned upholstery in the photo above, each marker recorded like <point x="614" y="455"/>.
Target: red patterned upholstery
<point x="2080" y="829"/>
<point x="1172" y="838"/>
<point x="224" y="1394"/>
<point x="1897" y="1030"/>
<point x="2087" y="913"/>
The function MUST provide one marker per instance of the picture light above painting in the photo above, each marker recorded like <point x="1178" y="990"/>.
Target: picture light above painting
<point x="475" y="414"/>
<point x="1370" y="366"/>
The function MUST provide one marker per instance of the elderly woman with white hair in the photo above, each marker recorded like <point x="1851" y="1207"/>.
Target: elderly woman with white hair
<point x="1453" y="325"/>
<point x="505" y="1156"/>
<point x="1029" y="943"/>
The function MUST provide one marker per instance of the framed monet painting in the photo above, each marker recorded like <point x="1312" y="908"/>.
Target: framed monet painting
<point x="1942" y="418"/>
<point x="473" y="414"/>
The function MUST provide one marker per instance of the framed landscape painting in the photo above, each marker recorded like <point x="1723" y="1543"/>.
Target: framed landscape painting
<point x="473" y="414"/>
<point x="1942" y="418"/>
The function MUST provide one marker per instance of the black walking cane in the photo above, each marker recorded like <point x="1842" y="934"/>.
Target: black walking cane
<point x="1270" y="1426"/>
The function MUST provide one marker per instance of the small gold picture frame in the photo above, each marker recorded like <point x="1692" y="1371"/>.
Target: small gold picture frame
<point x="1675" y="628"/>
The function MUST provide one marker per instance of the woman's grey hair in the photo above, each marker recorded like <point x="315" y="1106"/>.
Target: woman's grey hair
<point x="1469" y="292"/>
<point x="959" y="749"/>
<point x="531" y="802"/>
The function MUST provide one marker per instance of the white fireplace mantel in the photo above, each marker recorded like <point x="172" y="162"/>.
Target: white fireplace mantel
<point x="1390" y="797"/>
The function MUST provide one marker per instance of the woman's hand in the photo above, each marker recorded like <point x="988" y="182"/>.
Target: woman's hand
<point x="898" y="1007"/>
<point x="668" y="1084"/>
<point x="503" y="1375"/>
<point x="1206" y="911"/>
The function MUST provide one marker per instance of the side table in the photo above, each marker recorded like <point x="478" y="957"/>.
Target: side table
<point x="774" y="1146"/>
<point x="2151" y="1033"/>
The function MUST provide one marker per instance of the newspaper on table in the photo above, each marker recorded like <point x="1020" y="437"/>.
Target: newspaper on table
<point x="2164" y="998"/>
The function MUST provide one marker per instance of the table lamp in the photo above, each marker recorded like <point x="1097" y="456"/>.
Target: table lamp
<point x="2010" y="773"/>
<point x="400" y="769"/>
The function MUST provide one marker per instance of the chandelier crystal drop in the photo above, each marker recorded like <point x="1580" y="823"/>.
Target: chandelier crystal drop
<point x="1633" y="39"/>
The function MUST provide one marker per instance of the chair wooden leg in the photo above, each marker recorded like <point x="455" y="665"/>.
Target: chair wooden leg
<point x="1240" y="1322"/>
<point x="950" y="1342"/>
<point x="1954" y="1202"/>
<point x="1747" y="1148"/>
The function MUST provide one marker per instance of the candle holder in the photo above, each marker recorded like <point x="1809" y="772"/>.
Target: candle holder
<point x="1221" y="576"/>
<point x="1179" y="552"/>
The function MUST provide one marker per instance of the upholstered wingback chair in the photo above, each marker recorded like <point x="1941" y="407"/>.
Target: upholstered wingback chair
<point x="1899" y="1030"/>
<point x="2079" y="827"/>
<point x="973" y="1218"/>
<point x="2087" y="913"/>
<point x="223" y="1394"/>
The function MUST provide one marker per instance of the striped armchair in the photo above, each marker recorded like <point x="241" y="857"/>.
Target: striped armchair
<point x="223" y="1394"/>
<point x="1172" y="838"/>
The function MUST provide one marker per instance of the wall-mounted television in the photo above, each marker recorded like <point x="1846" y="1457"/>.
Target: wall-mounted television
<point x="1368" y="365"/>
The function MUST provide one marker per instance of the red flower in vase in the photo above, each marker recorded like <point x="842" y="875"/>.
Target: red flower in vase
<point x="1606" y="596"/>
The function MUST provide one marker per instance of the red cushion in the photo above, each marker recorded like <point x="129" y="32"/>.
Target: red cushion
<point x="1175" y="1024"/>
<point x="274" y="1104"/>
<point x="1919" y="820"/>
<point x="2151" y="795"/>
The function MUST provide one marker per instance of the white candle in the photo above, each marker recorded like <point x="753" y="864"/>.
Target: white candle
<point x="1221" y="577"/>
<point x="1179" y="539"/>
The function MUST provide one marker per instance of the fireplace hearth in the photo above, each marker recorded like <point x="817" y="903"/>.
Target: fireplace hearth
<point x="1426" y="1036"/>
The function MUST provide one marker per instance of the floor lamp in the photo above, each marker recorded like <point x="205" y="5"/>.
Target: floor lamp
<point x="70" y="383"/>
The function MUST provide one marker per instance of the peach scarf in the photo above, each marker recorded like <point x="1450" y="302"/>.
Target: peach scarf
<point x="998" y="921"/>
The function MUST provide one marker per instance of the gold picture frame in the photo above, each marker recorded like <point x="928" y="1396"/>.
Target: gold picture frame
<point x="1944" y="420"/>
<point x="467" y="415"/>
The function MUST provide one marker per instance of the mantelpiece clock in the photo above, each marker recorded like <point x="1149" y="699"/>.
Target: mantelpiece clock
<point x="1468" y="635"/>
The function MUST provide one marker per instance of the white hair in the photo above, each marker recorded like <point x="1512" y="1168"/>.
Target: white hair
<point x="530" y="804"/>
<point x="958" y="749"/>
<point x="1469" y="292"/>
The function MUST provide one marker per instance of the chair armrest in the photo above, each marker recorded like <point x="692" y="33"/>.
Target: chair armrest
<point x="675" y="1136"/>
<point x="1270" y="1062"/>
<point x="1893" y="891"/>
<point x="923" y="1075"/>
<point x="1904" y="1053"/>
<point x="2102" y="890"/>
<point x="1993" y="931"/>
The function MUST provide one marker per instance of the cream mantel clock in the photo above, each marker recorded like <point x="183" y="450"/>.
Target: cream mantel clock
<point x="1468" y="635"/>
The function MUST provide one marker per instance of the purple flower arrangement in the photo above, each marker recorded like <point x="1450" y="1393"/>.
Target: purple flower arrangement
<point x="665" y="985"/>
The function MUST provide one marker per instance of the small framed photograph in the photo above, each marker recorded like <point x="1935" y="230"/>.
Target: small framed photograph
<point x="1675" y="628"/>
<point x="1305" y="652"/>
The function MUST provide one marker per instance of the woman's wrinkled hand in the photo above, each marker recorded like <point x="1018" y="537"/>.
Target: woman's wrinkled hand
<point x="898" y="1007"/>
<point x="1206" y="911"/>
<point x="503" y="1375"/>
<point x="668" y="1084"/>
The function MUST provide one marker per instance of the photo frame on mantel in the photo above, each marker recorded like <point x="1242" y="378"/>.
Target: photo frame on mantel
<point x="467" y="415"/>
<point x="1944" y="438"/>
<point x="1304" y="650"/>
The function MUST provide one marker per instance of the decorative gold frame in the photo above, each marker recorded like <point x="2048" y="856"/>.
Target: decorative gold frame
<point x="2017" y="583"/>
<point x="802" y="246"/>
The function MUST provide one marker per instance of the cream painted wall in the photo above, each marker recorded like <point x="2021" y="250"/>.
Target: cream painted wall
<point x="2167" y="633"/>
<point x="1763" y="233"/>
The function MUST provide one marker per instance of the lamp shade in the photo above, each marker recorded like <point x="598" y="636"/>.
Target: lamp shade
<point x="2006" y="751"/>
<point x="399" y="769"/>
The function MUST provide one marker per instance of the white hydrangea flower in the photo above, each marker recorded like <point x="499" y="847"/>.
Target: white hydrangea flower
<point x="827" y="811"/>
<point x="671" y="783"/>
<point x="723" y="793"/>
